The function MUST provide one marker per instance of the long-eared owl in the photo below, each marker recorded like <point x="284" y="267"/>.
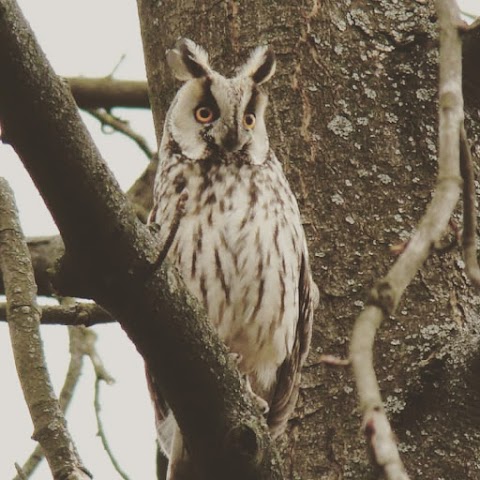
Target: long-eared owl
<point x="240" y="245"/>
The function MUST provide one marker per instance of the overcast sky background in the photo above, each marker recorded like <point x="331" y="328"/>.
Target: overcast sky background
<point x="88" y="39"/>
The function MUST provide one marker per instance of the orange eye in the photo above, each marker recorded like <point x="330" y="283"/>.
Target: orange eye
<point x="203" y="115"/>
<point x="249" y="121"/>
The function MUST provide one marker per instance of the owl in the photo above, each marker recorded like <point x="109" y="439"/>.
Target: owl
<point x="240" y="245"/>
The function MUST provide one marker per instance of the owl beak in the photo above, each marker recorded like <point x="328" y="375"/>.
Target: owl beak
<point x="231" y="142"/>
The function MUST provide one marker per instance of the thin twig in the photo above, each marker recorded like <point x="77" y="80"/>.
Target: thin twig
<point x="471" y="16"/>
<point x="116" y="67"/>
<point x="21" y="474"/>
<point x="101" y="432"/>
<point x="101" y="375"/>
<point x="90" y="349"/>
<point x="123" y="127"/>
<point x="24" y="325"/>
<point x="388" y="291"/>
<point x="469" y="211"/>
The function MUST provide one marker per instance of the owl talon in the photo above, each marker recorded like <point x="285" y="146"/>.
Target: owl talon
<point x="261" y="403"/>
<point x="235" y="357"/>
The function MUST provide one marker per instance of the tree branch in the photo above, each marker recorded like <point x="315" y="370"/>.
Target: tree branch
<point x="113" y="254"/>
<point x="23" y="320"/>
<point x="106" y="118"/>
<point x="45" y="251"/>
<point x="387" y="293"/>
<point x="74" y="370"/>
<point x="77" y="314"/>
<point x="106" y="92"/>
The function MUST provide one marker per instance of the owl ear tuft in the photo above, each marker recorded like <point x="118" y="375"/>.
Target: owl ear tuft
<point x="187" y="60"/>
<point x="261" y="65"/>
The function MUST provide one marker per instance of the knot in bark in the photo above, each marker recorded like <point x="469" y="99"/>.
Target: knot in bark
<point x="382" y="296"/>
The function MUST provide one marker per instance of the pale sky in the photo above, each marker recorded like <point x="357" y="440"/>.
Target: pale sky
<point x="88" y="38"/>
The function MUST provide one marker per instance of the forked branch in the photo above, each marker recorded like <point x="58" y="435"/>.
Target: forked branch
<point x="23" y="316"/>
<point x="388" y="291"/>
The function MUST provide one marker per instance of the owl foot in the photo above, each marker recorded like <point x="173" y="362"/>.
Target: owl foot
<point x="257" y="399"/>
<point x="235" y="357"/>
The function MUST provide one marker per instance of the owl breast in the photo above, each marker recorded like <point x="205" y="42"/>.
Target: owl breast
<point x="238" y="248"/>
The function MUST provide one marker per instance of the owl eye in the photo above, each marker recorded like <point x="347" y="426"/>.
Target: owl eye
<point x="203" y="115"/>
<point x="249" y="121"/>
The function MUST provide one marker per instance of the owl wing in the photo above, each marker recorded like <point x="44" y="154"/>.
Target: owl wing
<point x="285" y="393"/>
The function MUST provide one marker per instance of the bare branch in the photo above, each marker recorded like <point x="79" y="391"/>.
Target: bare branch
<point x="74" y="370"/>
<point x="23" y="320"/>
<point x="386" y="294"/>
<point x="107" y="93"/>
<point x="102" y="434"/>
<point x="101" y="376"/>
<point x="45" y="251"/>
<point x="123" y="127"/>
<point x="21" y="475"/>
<point x="78" y="314"/>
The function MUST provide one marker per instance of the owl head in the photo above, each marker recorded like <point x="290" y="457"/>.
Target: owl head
<point x="212" y="114"/>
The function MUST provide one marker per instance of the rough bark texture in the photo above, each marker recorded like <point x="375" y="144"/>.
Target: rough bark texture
<point x="353" y="116"/>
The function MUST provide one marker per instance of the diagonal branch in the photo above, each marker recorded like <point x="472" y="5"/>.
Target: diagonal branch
<point x="74" y="370"/>
<point x="24" y="322"/>
<point x="45" y="251"/>
<point x="388" y="291"/>
<point x="113" y="254"/>
<point x="106" y="118"/>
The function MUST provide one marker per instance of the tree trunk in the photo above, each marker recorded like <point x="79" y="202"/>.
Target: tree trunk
<point x="353" y="118"/>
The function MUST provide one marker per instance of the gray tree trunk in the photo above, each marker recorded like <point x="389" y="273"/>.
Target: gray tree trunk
<point x="352" y="116"/>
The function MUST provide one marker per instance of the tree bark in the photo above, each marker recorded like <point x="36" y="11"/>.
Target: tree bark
<point x="353" y="117"/>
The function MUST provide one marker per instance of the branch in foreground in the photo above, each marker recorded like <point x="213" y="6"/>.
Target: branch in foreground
<point x="107" y="93"/>
<point x="387" y="293"/>
<point x="74" y="370"/>
<point x="113" y="254"/>
<point x="23" y="320"/>
<point x="45" y="251"/>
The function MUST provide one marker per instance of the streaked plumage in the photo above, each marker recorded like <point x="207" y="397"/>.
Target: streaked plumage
<point x="240" y="245"/>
